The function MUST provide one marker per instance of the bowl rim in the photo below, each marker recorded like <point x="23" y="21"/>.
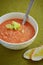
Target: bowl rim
<point x="27" y="40"/>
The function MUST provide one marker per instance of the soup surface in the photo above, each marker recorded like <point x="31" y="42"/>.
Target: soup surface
<point x="25" y="33"/>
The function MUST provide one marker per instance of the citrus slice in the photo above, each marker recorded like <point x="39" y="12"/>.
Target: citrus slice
<point x="28" y="53"/>
<point x="38" y="54"/>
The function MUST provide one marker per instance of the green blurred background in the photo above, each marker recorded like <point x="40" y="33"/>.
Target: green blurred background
<point x="11" y="57"/>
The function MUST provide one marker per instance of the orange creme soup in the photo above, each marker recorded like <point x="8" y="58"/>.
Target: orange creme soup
<point x="25" y="33"/>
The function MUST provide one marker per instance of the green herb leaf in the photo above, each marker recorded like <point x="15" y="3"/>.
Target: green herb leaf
<point x="9" y="26"/>
<point x="14" y="25"/>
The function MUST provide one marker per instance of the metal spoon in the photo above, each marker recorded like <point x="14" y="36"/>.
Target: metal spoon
<point x="28" y="11"/>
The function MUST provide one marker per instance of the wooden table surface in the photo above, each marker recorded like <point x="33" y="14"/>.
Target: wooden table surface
<point x="11" y="57"/>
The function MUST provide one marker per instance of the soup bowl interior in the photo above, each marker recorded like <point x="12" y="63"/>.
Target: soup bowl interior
<point x="20" y="15"/>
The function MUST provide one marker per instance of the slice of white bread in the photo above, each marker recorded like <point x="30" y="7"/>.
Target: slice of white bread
<point x="34" y="54"/>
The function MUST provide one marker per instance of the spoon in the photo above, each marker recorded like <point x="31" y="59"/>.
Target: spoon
<point x="27" y="12"/>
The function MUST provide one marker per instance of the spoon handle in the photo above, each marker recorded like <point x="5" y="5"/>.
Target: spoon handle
<point x="28" y="11"/>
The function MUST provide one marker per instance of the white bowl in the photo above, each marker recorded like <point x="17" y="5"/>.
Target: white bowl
<point x="20" y="45"/>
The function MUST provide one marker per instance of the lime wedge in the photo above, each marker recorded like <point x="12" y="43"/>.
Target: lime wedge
<point x="28" y="53"/>
<point x="38" y="54"/>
